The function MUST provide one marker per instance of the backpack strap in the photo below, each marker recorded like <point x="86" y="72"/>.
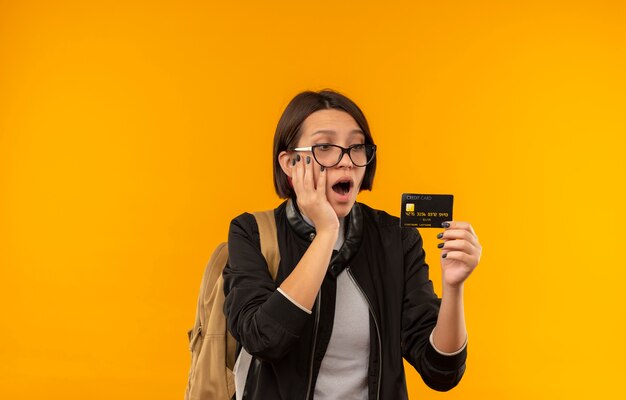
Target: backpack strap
<point x="212" y="273"/>
<point x="269" y="241"/>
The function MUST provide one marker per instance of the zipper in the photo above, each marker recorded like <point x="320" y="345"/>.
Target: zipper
<point x="380" y="347"/>
<point x="316" y="325"/>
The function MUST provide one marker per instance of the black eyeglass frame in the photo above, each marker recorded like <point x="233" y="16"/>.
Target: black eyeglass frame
<point x="344" y="150"/>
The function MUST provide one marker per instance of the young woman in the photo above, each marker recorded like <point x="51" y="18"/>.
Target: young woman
<point x="352" y="296"/>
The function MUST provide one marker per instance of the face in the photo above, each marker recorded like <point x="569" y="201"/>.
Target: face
<point x="339" y="128"/>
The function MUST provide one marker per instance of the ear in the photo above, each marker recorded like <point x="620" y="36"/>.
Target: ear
<point x="284" y="159"/>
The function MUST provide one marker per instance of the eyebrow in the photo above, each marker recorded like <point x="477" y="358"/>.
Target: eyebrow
<point x="331" y="132"/>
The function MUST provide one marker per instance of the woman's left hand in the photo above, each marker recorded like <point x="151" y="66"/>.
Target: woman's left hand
<point x="460" y="252"/>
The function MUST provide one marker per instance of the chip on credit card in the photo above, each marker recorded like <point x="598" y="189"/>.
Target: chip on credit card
<point x="425" y="210"/>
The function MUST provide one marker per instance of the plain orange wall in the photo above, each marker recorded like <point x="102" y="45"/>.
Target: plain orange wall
<point x="132" y="132"/>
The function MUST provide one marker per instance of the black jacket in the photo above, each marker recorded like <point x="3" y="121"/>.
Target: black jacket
<point x="386" y="262"/>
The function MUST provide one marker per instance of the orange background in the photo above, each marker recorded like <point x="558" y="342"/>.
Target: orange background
<point x="132" y="132"/>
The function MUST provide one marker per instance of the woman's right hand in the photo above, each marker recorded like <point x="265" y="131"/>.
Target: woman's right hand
<point x="311" y="196"/>
<point x="304" y="282"/>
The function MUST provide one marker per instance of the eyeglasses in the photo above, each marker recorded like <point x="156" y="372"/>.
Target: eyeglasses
<point x="329" y="155"/>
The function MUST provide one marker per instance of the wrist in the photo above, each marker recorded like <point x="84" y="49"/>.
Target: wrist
<point x="329" y="232"/>
<point x="450" y="290"/>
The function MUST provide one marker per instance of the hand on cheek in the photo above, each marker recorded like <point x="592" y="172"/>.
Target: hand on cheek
<point x="311" y="194"/>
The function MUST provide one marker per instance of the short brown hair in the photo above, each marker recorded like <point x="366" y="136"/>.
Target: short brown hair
<point x="289" y="126"/>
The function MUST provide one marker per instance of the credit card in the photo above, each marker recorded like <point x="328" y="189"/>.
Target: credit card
<point x="425" y="210"/>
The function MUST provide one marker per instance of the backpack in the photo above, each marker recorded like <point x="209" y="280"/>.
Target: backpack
<point x="212" y="346"/>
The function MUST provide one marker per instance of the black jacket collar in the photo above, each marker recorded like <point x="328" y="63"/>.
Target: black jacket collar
<point x="353" y="234"/>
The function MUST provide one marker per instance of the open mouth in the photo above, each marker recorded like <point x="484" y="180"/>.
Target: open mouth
<point x="343" y="186"/>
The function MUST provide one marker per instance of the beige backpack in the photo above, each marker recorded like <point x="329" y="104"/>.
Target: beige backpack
<point x="212" y="347"/>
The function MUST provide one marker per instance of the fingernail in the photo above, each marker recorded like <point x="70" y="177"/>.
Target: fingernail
<point x="440" y="245"/>
<point x="308" y="160"/>
<point x="298" y="158"/>
<point x="445" y="224"/>
<point x="293" y="162"/>
<point x="440" y="235"/>
<point x="322" y="169"/>
<point x="444" y="255"/>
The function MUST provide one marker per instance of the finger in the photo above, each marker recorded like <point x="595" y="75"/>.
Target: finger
<point x="309" y="183"/>
<point x="321" y="183"/>
<point x="451" y="234"/>
<point x="458" y="245"/>
<point x="298" y="175"/>
<point x="468" y="260"/>
<point x="461" y="225"/>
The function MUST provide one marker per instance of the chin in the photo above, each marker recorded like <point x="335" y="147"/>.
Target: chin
<point x="342" y="210"/>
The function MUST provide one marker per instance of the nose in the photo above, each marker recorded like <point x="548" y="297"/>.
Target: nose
<point x="345" y="160"/>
